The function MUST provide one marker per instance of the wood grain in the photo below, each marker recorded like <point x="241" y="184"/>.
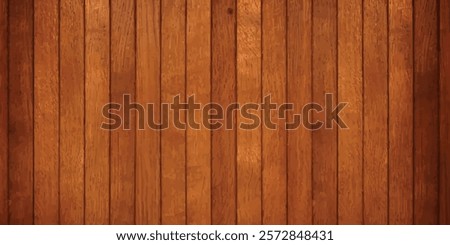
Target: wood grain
<point x="123" y="84"/>
<point x="324" y="141"/>
<point x="274" y="175"/>
<point x="444" y="185"/>
<point x="350" y="90"/>
<point x="71" y="178"/>
<point x="223" y="93"/>
<point x="426" y="112"/>
<point x="198" y="84"/>
<point x="4" y="112"/>
<point x="299" y="93"/>
<point x="97" y="95"/>
<point x="248" y="91"/>
<point x="400" y="113"/>
<point x="375" y="67"/>
<point x="46" y="112"/>
<point x="173" y="139"/>
<point x="70" y="156"/>
<point x="148" y="67"/>
<point x="20" y="116"/>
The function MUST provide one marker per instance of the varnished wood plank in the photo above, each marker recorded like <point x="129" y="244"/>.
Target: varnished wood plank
<point x="198" y="84"/>
<point x="223" y="93"/>
<point x="444" y="187"/>
<point x="274" y="85"/>
<point x="97" y="95"/>
<point x="324" y="142"/>
<point x="299" y="31"/>
<point x="46" y="112"/>
<point x="72" y="112"/>
<point x="173" y="139"/>
<point x="400" y="112"/>
<point x="148" y="195"/>
<point x="375" y="112"/>
<point x="248" y="91"/>
<point x="4" y="112"/>
<point x="123" y="85"/>
<point x="426" y="112"/>
<point x="20" y="120"/>
<point x="350" y="90"/>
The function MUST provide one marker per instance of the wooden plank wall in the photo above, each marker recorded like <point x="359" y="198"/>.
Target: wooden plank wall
<point x="62" y="61"/>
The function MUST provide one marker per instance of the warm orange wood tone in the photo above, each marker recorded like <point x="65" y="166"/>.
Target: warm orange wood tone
<point x="62" y="63"/>
<point x="444" y="113"/>
<point x="400" y="113"/>
<point x="223" y="92"/>
<point x="375" y="72"/>
<point x="299" y="93"/>
<point x="324" y="142"/>
<point x="249" y="202"/>
<point x="148" y="157"/>
<point x="97" y="169"/>
<point x="350" y="90"/>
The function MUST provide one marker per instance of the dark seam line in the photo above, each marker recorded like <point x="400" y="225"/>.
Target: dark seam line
<point x="287" y="101"/>
<point x="312" y="115"/>
<point x="136" y="123"/>
<point x="439" y="110"/>
<point x="59" y="112"/>
<point x="262" y="127"/>
<point x="34" y="121"/>
<point x="337" y="101"/>
<point x="236" y="115"/>
<point x="8" y="76"/>
<point x="414" y="120"/>
<point x="84" y="112"/>
<point x="185" y="115"/>
<point x="110" y="87"/>
<point x="388" y="113"/>
<point x="210" y="98"/>
<point x="160" y="112"/>
<point x="363" y="111"/>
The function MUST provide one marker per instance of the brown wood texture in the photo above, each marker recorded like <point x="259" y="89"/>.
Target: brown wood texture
<point x="324" y="141"/>
<point x="444" y="113"/>
<point x="4" y="112"/>
<point x="97" y="62"/>
<point x="223" y="93"/>
<point x="299" y="93"/>
<point x="375" y="67"/>
<point x="350" y="90"/>
<point x="400" y="115"/>
<point x="90" y="134"/>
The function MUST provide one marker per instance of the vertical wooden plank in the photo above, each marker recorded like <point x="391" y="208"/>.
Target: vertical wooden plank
<point x="375" y="112"/>
<point x="350" y="90"/>
<point x="248" y="91"/>
<point x="97" y="95"/>
<point x="4" y="112"/>
<point x="72" y="112"/>
<point x="324" y="145"/>
<point x="274" y="85"/>
<point x="148" y="160"/>
<point x="426" y="112"/>
<point x="299" y="31"/>
<point x="198" y="84"/>
<point x="20" y="120"/>
<point x="46" y="112"/>
<point x="173" y="139"/>
<point x="123" y="78"/>
<point x="223" y="88"/>
<point x="400" y="112"/>
<point x="444" y="112"/>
